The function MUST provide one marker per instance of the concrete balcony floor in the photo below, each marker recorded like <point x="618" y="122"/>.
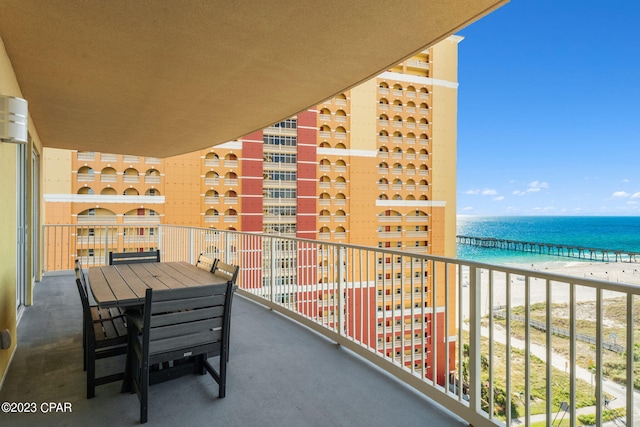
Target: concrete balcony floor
<point x="279" y="374"/>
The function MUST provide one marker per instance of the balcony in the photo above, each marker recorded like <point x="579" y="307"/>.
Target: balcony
<point x="259" y="392"/>
<point x="471" y="296"/>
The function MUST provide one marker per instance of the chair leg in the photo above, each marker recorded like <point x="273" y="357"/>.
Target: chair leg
<point x="144" y="390"/>
<point x="90" y="354"/>
<point x="222" y="387"/>
<point x="84" y="346"/>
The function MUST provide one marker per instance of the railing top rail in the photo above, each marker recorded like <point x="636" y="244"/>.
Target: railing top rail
<point x="553" y="277"/>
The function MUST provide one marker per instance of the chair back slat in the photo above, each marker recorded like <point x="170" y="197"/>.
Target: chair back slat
<point x="226" y="271"/>
<point x="190" y="304"/>
<point x="116" y="258"/>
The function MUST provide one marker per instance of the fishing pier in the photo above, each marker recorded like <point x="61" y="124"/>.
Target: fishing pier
<point x="595" y="254"/>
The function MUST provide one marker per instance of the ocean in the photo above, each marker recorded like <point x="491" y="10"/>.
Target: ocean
<point x="605" y="232"/>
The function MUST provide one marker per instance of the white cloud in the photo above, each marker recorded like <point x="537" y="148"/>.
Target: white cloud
<point x="533" y="187"/>
<point x="467" y="209"/>
<point x="498" y="199"/>
<point x="620" y="194"/>
<point x="625" y="180"/>
<point x="538" y="185"/>
<point x="485" y="192"/>
<point x="635" y="195"/>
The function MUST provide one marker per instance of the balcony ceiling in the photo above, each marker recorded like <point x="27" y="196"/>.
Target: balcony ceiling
<point x="161" y="78"/>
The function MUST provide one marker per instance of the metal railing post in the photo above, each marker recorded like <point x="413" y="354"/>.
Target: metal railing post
<point x="342" y="300"/>
<point x="475" y="283"/>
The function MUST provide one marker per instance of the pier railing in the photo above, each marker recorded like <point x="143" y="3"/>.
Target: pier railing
<point x="561" y="250"/>
<point x="429" y="321"/>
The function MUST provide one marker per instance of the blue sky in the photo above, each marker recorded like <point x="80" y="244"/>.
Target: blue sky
<point x="549" y="110"/>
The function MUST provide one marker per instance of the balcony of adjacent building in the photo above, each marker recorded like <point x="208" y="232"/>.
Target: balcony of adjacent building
<point x="388" y="320"/>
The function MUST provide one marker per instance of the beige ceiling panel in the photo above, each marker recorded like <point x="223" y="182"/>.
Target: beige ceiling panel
<point x="160" y="78"/>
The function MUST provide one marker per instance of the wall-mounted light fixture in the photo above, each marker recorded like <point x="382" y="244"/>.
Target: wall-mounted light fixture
<point x="13" y="120"/>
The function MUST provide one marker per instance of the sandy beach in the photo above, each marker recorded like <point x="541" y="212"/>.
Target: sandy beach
<point x="615" y="272"/>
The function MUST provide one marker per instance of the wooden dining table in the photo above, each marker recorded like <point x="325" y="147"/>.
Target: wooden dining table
<point x="125" y="285"/>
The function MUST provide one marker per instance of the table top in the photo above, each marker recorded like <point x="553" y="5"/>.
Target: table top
<point x="125" y="284"/>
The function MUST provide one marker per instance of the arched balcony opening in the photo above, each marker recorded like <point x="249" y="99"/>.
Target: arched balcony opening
<point x="212" y="197"/>
<point x="211" y="178"/>
<point x="131" y="176"/>
<point x="85" y="190"/>
<point x="231" y="197"/>
<point x="231" y="178"/>
<point x="97" y="216"/>
<point x="324" y="233"/>
<point x="131" y="192"/>
<point x="324" y="182"/>
<point x="231" y="215"/>
<point x="211" y="159"/>
<point x="341" y="146"/>
<point x="152" y="176"/>
<point x="211" y="215"/>
<point x="324" y="131"/>
<point x="231" y="160"/>
<point x="397" y="137"/>
<point x="340" y="116"/>
<point x="324" y="144"/>
<point x="152" y="192"/>
<point x="108" y="174"/>
<point x="383" y="184"/>
<point x="108" y="191"/>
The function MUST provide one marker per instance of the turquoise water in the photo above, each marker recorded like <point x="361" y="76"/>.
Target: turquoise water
<point x="620" y="233"/>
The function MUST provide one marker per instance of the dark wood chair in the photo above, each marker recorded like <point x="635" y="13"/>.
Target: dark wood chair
<point x="116" y="258"/>
<point x="229" y="272"/>
<point x="104" y="337"/>
<point x="205" y="262"/>
<point x="179" y="325"/>
<point x="97" y="314"/>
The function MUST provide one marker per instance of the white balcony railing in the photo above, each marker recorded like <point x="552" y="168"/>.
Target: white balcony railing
<point x="86" y="177"/>
<point x="470" y="336"/>
<point x="131" y="159"/>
